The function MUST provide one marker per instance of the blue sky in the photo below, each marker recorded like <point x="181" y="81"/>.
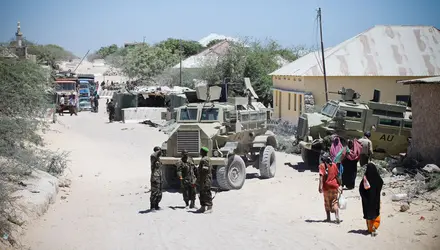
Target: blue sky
<point x="89" y="24"/>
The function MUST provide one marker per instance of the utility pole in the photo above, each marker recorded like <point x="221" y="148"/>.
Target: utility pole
<point x="180" y="48"/>
<point x="323" y="56"/>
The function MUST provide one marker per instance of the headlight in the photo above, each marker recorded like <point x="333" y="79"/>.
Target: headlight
<point x="215" y="153"/>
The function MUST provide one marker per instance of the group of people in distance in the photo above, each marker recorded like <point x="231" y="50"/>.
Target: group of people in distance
<point x="339" y="168"/>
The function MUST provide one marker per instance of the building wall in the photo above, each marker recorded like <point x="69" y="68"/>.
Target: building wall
<point x="364" y="85"/>
<point x="426" y="115"/>
<point x="288" y="105"/>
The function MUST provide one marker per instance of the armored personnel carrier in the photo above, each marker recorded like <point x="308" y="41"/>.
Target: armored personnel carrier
<point x="390" y="125"/>
<point x="234" y="130"/>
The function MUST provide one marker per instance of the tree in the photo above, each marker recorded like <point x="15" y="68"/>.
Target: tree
<point x="187" y="47"/>
<point x="256" y="60"/>
<point x="103" y="52"/>
<point x="145" y="62"/>
<point x="24" y="98"/>
<point x="213" y="42"/>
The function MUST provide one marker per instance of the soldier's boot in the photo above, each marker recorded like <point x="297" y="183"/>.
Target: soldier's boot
<point x="157" y="207"/>
<point x="202" y="209"/>
<point x="186" y="204"/>
<point x="209" y="210"/>
<point x="193" y="204"/>
<point x="152" y="207"/>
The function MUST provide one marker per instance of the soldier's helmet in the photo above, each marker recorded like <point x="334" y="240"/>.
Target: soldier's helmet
<point x="184" y="152"/>
<point x="157" y="148"/>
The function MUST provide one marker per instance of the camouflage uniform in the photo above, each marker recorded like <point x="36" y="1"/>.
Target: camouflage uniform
<point x="187" y="174"/>
<point x="204" y="181"/>
<point x="156" y="180"/>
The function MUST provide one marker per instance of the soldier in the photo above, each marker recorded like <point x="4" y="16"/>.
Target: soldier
<point x="111" y="110"/>
<point x="156" y="179"/>
<point x="187" y="176"/>
<point x="204" y="181"/>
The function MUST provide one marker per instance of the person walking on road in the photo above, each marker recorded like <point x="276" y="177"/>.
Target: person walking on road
<point x="187" y="175"/>
<point x="205" y="181"/>
<point x="367" y="149"/>
<point x="329" y="185"/>
<point x="111" y="110"/>
<point x="72" y="104"/>
<point x="156" y="179"/>
<point x="62" y="104"/>
<point x="370" y="190"/>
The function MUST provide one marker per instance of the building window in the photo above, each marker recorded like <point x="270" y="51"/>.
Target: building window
<point x="300" y="104"/>
<point x="294" y="102"/>
<point x="403" y="100"/>
<point x="389" y="122"/>
<point x="288" y="104"/>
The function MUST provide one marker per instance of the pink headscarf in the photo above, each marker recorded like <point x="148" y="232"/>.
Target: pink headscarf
<point x="355" y="152"/>
<point x="335" y="148"/>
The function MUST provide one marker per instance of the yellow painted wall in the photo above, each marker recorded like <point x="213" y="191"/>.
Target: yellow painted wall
<point x="287" y="105"/>
<point x="364" y="85"/>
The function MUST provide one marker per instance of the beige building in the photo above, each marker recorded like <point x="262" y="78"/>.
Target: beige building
<point x="374" y="59"/>
<point x="425" y="100"/>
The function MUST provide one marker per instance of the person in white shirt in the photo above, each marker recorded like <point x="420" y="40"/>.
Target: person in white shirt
<point x="367" y="149"/>
<point x="62" y="105"/>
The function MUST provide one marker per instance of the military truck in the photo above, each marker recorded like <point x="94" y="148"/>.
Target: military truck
<point x="390" y="125"/>
<point x="234" y="129"/>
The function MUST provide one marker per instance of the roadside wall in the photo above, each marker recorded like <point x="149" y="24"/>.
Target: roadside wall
<point x="133" y="115"/>
<point x="426" y="115"/>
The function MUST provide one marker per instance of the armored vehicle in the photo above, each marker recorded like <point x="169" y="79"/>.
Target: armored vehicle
<point x="234" y="129"/>
<point x="390" y="125"/>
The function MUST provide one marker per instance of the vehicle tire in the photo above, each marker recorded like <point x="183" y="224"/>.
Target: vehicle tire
<point x="222" y="180"/>
<point x="236" y="172"/>
<point x="268" y="163"/>
<point x="169" y="177"/>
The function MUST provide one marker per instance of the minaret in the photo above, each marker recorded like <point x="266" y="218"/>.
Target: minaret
<point x="19" y="36"/>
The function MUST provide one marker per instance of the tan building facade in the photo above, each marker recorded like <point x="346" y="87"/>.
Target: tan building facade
<point x="425" y="95"/>
<point x="375" y="59"/>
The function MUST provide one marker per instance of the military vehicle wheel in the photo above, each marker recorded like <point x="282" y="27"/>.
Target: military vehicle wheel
<point x="268" y="164"/>
<point x="222" y="179"/>
<point x="236" y="172"/>
<point x="169" y="177"/>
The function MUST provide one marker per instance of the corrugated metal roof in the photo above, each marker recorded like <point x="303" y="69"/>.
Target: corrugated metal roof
<point x="379" y="51"/>
<point x="428" y="80"/>
<point x="210" y="54"/>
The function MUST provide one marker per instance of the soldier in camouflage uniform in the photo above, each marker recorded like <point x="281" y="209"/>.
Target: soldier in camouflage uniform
<point x="156" y="179"/>
<point x="187" y="175"/>
<point x="204" y="182"/>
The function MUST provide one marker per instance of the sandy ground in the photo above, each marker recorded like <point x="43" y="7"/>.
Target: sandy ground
<point x="110" y="179"/>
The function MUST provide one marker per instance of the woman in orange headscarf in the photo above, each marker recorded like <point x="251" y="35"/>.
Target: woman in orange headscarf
<point x="370" y="190"/>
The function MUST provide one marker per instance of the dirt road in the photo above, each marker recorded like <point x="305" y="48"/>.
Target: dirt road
<point x="110" y="180"/>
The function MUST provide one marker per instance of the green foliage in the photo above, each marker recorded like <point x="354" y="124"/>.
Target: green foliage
<point x="103" y="52"/>
<point x="187" y="47"/>
<point x="256" y="61"/>
<point x="213" y="42"/>
<point x="145" y="62"/>
<point x="24" y="98"/>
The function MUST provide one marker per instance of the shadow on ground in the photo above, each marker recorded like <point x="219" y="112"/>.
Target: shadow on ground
<point x="322" y="221"/>
<point x="301" y="167"/>
<point x="359" y="231"/>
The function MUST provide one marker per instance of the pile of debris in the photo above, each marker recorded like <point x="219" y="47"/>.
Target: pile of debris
<point x="285" y="134"/>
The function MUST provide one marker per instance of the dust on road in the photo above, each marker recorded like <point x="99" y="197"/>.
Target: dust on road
<point x="110" y="179"/>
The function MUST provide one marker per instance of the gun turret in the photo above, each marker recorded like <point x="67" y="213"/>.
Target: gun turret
<point x="347" y="95"/>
